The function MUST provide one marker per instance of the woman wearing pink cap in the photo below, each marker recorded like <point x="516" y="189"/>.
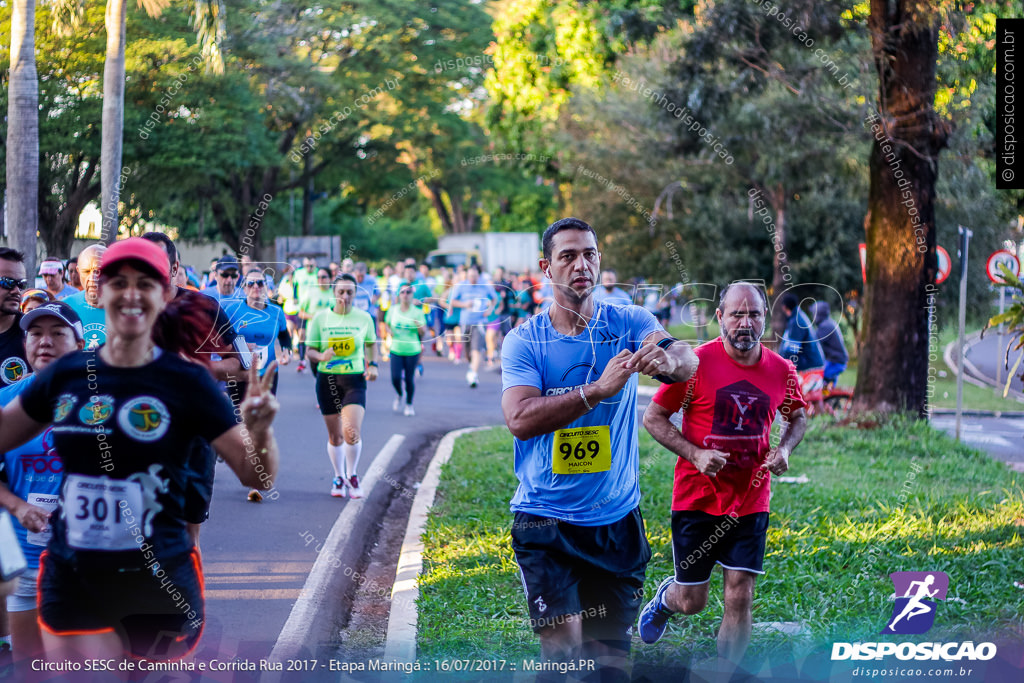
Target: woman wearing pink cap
<point x="121" y="576"/>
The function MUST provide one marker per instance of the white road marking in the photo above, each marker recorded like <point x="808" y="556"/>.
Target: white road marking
<point x="296" y="631"/>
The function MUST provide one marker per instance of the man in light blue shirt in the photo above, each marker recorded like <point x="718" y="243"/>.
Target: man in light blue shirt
<point x="608" y="293"/>
<point x="225" y="276"/>
<point x="476" y="301"/>
<point x="87" y="302"/>
<point x="367" y="291"/>
<point x="569" y="398"/>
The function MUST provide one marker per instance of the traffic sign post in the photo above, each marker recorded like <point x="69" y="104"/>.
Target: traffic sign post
<point x="965" y="239"/>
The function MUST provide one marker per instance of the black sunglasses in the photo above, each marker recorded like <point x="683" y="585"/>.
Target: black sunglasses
<point x="228" y="273"/>
<point x="255" y="283"/>
<point x="11" y="283"/>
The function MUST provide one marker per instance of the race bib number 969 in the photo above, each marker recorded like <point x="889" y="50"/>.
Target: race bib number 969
<point x="582" y="450"/>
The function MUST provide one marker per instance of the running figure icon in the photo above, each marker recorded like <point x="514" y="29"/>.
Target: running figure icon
<point x="915" y="607"/>
<point x="917" y="592"/>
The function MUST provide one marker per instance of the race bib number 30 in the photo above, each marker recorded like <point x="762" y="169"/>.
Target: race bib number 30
<point x="582" y="450"/>
<point x="97" y="511"/>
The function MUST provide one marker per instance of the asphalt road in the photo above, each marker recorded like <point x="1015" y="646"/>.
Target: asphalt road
<point x="256" y="557"/>
<point x="984" y="355"/>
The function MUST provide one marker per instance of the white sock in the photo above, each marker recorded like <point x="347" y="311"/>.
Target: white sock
<point x="334" y="453"/>
<point x="352" y="453"/>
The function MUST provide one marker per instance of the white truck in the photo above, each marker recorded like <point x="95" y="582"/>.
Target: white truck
<point x="516" y="252"/>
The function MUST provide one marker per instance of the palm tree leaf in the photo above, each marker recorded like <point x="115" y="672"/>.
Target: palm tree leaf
<point x="154" y="8"/>
<point x="67" y="16"/>
<point x="208" y="21"/>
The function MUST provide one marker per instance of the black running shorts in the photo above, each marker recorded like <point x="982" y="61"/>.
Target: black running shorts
<point x="157" y="611"/>
<point x="334" y="391"/>
<point x="593" y="571"/>
<point x="700" y="541"/>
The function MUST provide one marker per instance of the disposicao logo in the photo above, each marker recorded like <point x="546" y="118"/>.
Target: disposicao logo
<point x="914" y="614"/>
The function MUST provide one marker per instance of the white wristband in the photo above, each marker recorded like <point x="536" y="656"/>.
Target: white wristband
<point x="585" y="401"/>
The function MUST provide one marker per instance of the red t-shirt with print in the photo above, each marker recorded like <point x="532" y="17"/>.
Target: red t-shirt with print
<point x="731" y="410"/>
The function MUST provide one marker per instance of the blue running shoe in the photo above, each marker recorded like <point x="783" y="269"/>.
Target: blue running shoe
<point x="655" y="615"/>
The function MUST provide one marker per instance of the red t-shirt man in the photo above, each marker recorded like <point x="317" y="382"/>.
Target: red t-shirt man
<point x="731" y="409"/>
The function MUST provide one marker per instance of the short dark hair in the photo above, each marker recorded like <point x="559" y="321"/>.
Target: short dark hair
<point x="345" y="277"/>
<point x="165" y="242"/>
<point x="8" y="254"/>
<point x="790" y="301"/>
<point x="725" y="290"/>
<point x="560" y="225"/>
<point x="73" y="259"/>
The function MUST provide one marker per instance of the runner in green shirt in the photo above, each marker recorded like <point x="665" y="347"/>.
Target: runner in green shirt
<point x="312" y="300"/>
<point x="340" y="341"/>
<point x="408" y="324"/>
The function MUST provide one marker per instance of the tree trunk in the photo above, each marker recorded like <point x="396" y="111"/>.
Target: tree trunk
<point x="23" y="135"/>
<point x="113" y="119"/>
<point x="60" y="213"/>
<point x="435" y="193"/>
<point x="900" y="221"/>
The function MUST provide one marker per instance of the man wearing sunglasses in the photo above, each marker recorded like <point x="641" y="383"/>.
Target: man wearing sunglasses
<point x="13" y="361"/>
<point x="226" y="280"/>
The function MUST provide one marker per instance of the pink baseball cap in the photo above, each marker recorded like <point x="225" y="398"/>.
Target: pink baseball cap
<point x="137" y="249"/>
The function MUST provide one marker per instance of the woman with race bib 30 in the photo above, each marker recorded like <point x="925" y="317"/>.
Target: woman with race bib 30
<point x="121" y="576"/>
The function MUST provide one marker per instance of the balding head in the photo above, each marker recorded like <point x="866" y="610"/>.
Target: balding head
<point x="89" y="262"/>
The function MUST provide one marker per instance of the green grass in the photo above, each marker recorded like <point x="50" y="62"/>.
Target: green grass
<point x="831" y="544"/>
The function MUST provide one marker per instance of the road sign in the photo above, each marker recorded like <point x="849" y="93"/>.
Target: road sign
<point x="1001" y="257"/>
<point x="945" y="264"/>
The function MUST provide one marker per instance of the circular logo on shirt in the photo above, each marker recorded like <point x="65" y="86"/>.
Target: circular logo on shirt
<point x="13" y="369"/>
<point x="94" y="333"/>
<point x="64" y="405"/>
<point x="97" y="411"/>
<point x="144" y="418"/>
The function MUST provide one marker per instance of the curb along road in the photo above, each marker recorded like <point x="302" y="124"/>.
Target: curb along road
<point x="402" y="623"/>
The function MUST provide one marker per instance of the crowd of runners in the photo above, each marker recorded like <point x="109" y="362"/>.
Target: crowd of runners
<point x="125" y="376"/>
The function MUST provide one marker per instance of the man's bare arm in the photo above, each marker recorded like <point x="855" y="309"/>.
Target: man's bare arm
<point x="528" y="414"/>
<point x="677" y="362"/>
<point x="778" y="459"/>
<point x="657" y="423"/>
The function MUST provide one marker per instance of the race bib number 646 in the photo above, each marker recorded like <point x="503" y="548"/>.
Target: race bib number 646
<point x="582" y="450"/>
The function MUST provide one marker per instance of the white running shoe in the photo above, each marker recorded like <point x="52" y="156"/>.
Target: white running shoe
<point x="472" y="379"/>
<point x="409" y="411"/>
<point x="397" y="405"/>
<point x="353" y="487"/>
<point x="338" y="488"/>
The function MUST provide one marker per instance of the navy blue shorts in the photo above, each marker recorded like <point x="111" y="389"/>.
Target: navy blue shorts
<point x="700" y="541"/>
<point x="158" y="612"/>
<point x="335" y="391"/>
<point x="596" y="572"/>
